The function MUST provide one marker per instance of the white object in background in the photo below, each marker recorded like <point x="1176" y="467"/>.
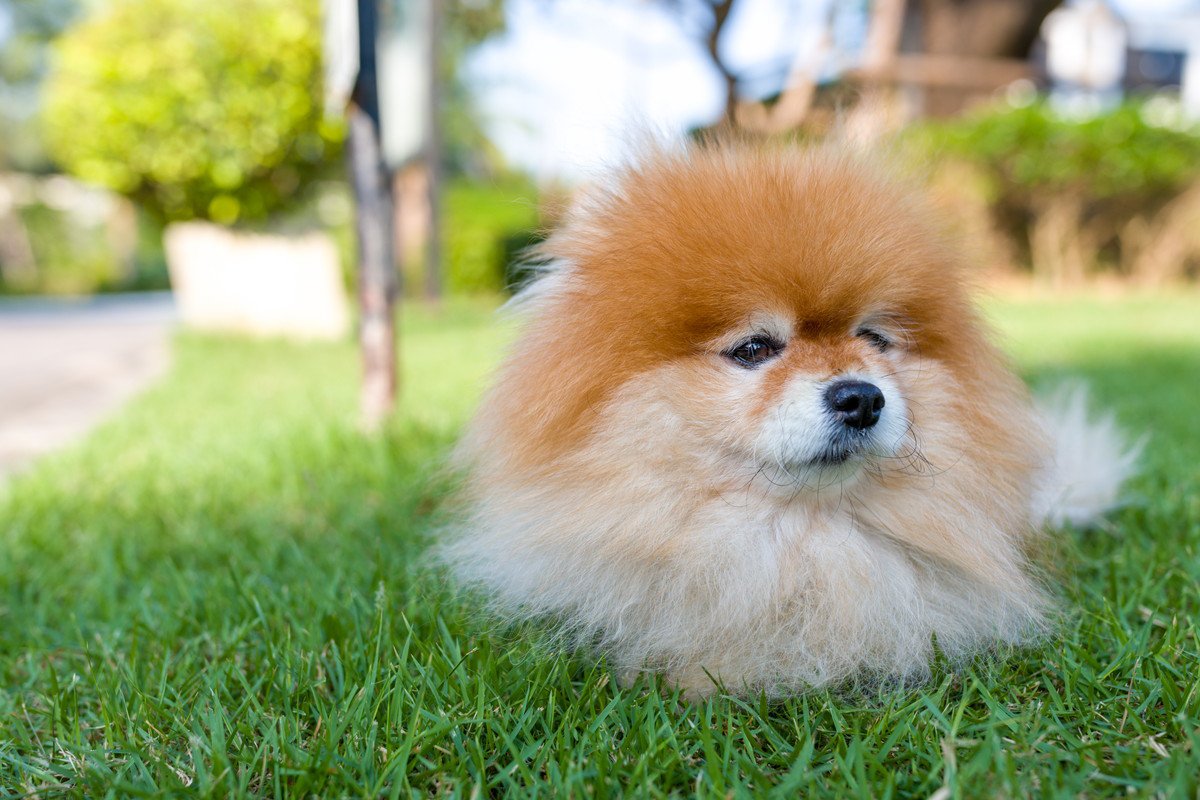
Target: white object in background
<point x="1085" y="46"/>
<point x="402" y="56"/>
<point x="256" y="284"/>
<point x="1190" y="90"/>
<point x="339" y="53"/>
<point x="1085" y="57"/>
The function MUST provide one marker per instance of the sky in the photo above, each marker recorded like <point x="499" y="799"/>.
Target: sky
<point x="571" y="82"/>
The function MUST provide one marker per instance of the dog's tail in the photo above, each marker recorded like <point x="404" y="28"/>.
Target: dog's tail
<point x="1092" y="459"/>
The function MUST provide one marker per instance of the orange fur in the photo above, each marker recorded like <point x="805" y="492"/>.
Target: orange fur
<point x="616" y="470"/>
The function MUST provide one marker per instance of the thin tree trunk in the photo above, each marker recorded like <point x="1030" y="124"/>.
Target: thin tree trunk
<point x="883" y="36"/>
<point x="1156" y="248"/>
<point x="433" y="157"/>
<point x="1062" y="248"/>
<point x="794" y="103"/>
<point x="18" y="266"/>
<point x="878" y="110"/>
<point x="372" y="183"/>
<point x="712" y="44"/>
<point x="121" y="233"/>
<point x="376" y="269"/>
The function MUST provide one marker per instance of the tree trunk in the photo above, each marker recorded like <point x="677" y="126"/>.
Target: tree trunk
<point x="796" y="99"/>
<point x="372" y="183"/>
<point x="121" y="233"/>
<point x="883" y="35"/>
<point x="18" y="266"/>
<point x="1062" y="249"/>
<point x="410" y="193"/>
<point x="880" y="108"/>
<point x="433" y="157"/>
<point x="1156" y="248"/>
<point x="712" y="45"/>
<point x="376" y="269"/>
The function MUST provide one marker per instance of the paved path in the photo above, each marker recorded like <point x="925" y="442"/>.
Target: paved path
<point x="66" y="365"/>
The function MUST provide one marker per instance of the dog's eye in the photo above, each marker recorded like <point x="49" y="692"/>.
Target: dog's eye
<point x="755" y="351"/>
<point x="874" y="338"/>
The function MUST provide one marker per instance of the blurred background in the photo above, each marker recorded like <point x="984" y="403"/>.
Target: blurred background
<point x="185" y="161"/>
<point x="247" y="296"/>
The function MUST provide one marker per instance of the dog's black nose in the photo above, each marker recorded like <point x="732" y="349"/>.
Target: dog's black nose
<point x="855" y="403"/>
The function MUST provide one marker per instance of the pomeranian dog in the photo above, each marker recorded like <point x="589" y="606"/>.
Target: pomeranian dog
<point x="754" y="435"/>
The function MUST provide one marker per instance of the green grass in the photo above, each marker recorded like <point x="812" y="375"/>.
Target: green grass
<point x="222" y="593"/>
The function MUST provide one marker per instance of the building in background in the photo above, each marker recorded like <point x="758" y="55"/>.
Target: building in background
<point x="1097" y="54"/>
<point x="1164" y="53"/>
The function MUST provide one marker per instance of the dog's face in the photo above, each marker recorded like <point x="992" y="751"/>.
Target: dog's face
<point x="804" y="406"/>
<point x="765" y="324"/>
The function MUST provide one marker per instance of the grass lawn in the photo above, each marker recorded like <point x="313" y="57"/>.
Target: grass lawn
<point x="222" y="593"/>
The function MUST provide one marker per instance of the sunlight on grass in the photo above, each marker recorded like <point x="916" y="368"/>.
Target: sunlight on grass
<point x="226" y="589"/>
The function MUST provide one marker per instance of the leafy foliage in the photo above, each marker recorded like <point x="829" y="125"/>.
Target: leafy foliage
<point x="483" y="222"/>
<point x="60" y="237"/>
<point x="1118" y="187"/>
<point x="196" y="109"/>
<point x="1127" y="155"/>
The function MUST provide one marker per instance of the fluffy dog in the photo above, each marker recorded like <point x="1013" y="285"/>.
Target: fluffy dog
<point x="754" y="433"/>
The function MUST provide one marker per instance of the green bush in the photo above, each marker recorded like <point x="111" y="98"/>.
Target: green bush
<point x="62" y="249"/>
<point x="193" y="108"/>
<point x="1126" y="155"/>
<point x="485" y="227"/>
<point x="70" y="258"/>
<point x="1072" y="192"/>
